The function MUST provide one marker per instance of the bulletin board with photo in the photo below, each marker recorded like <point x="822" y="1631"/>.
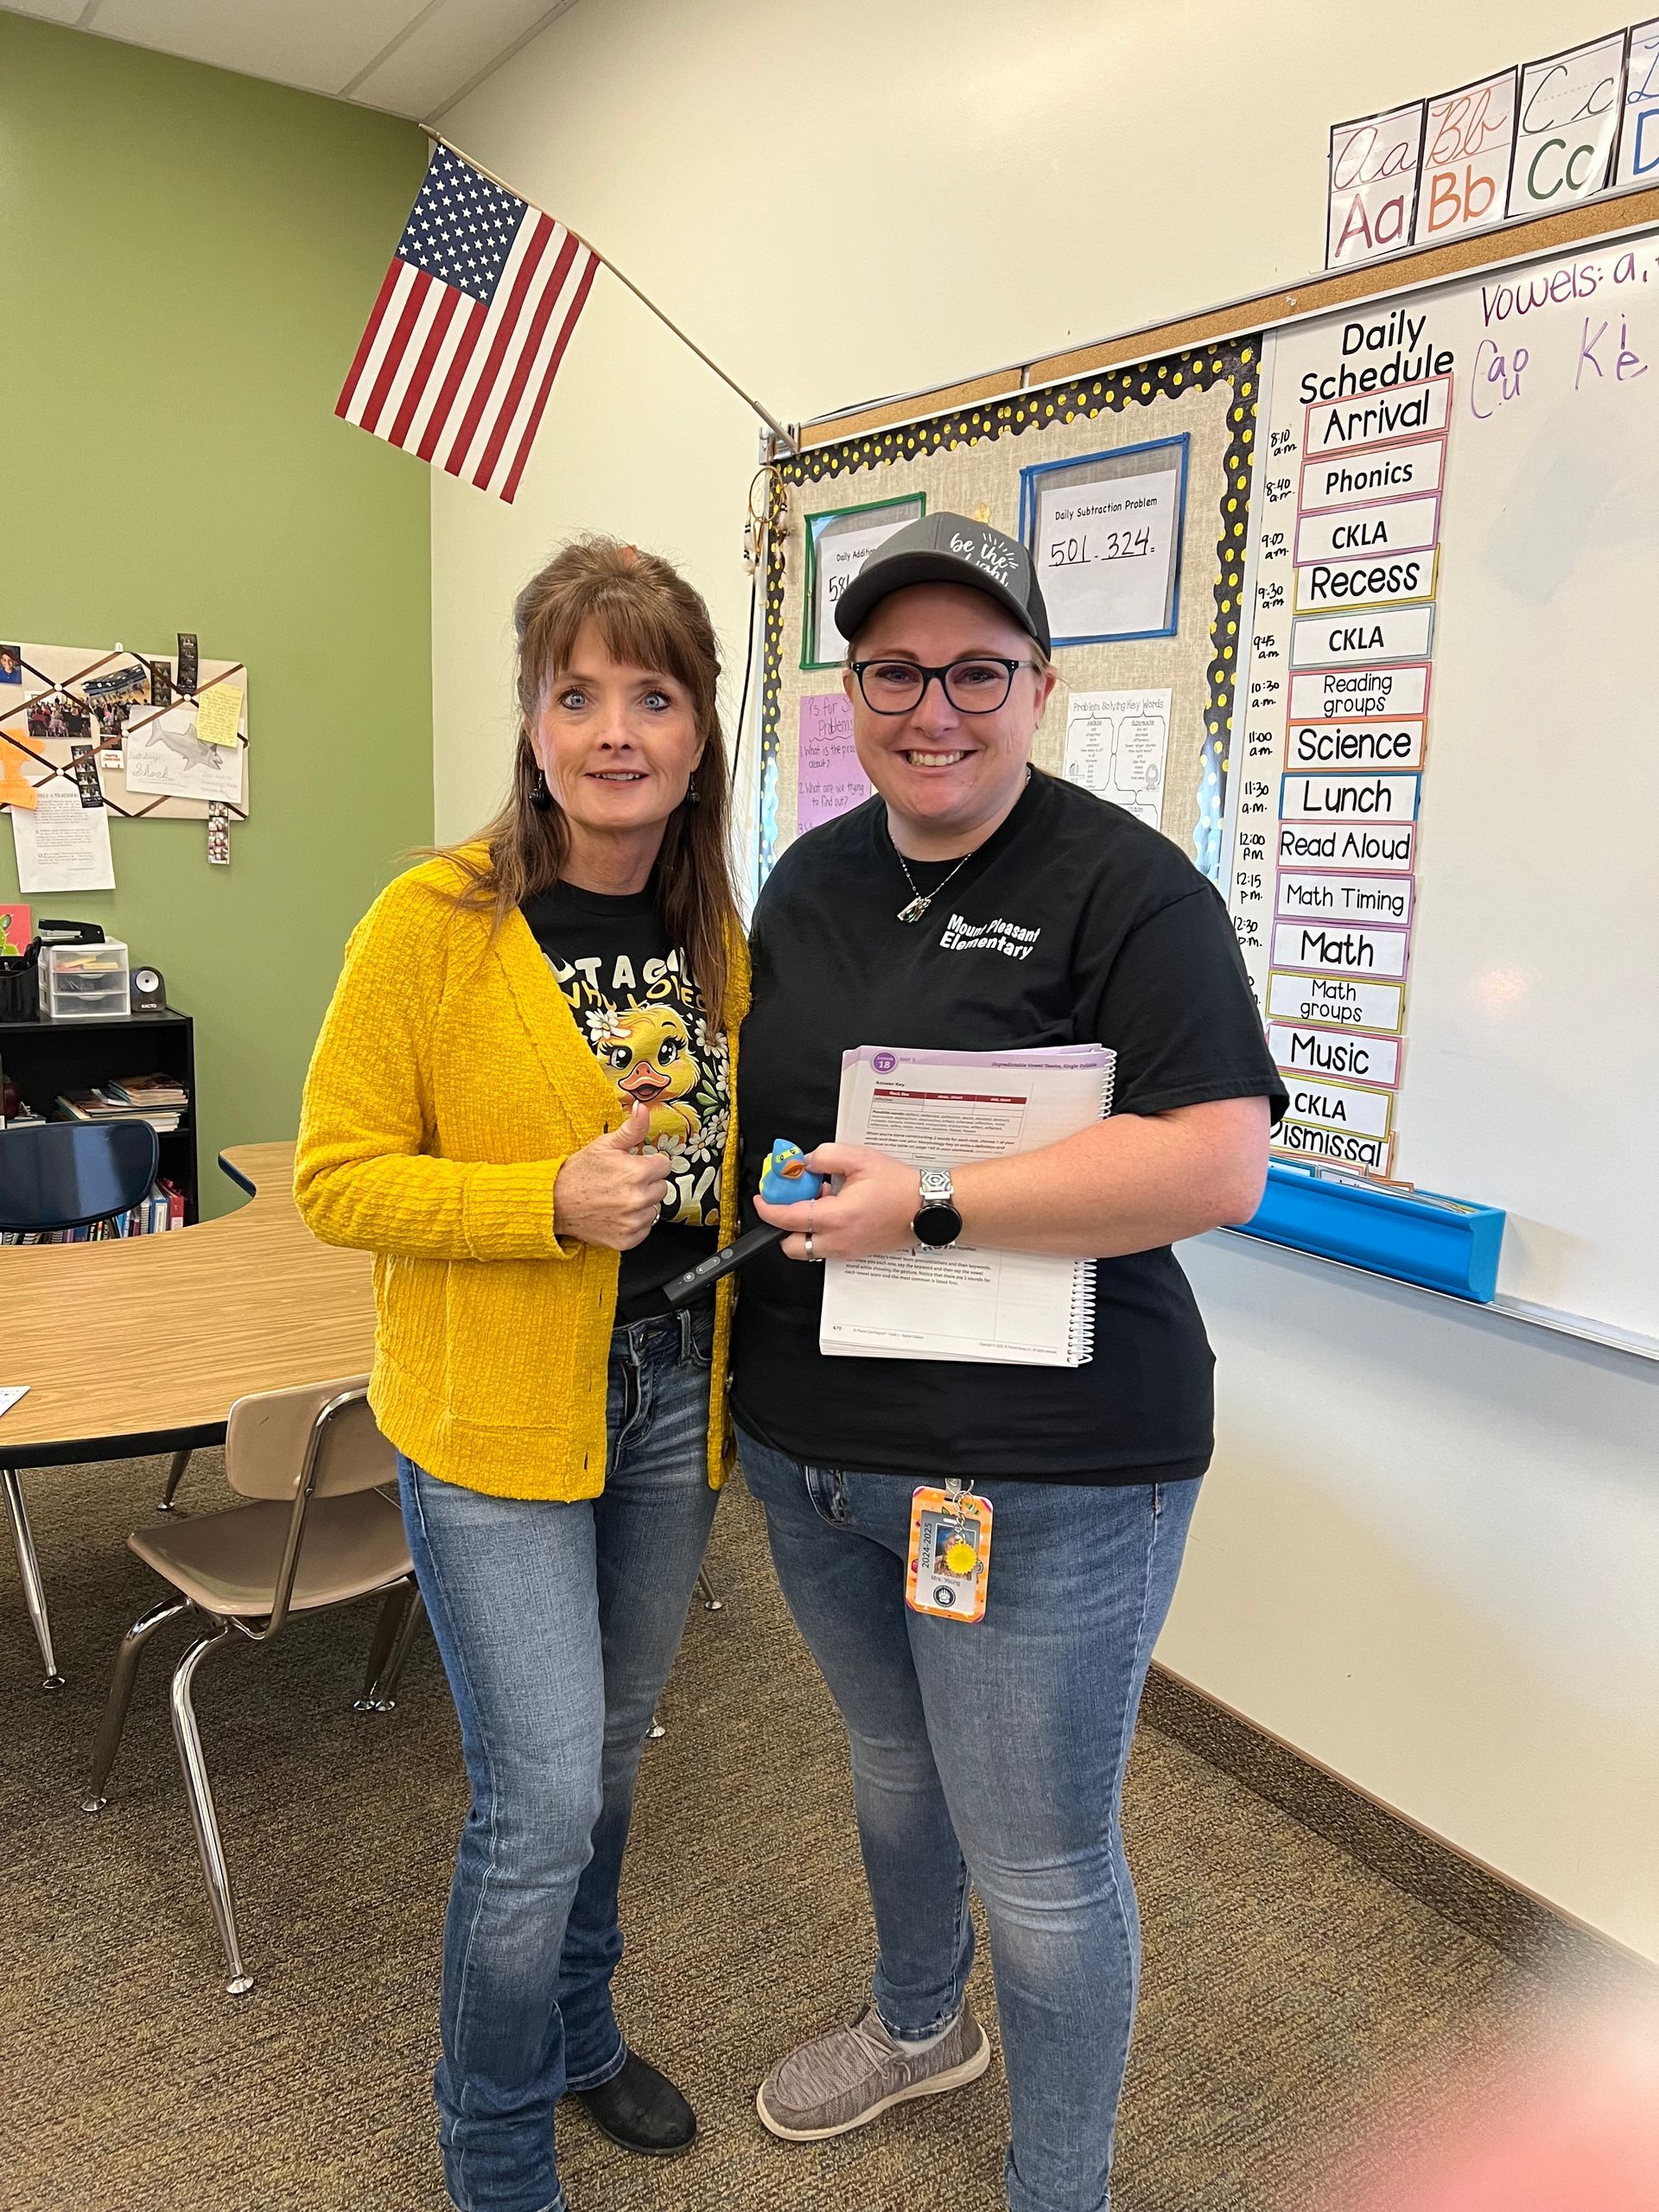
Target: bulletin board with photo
<point x="152" y="737"/>
<point x="1130" y="486"/>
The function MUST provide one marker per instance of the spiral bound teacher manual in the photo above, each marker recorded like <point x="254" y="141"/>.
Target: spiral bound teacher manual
<point x="942" y="1109"/>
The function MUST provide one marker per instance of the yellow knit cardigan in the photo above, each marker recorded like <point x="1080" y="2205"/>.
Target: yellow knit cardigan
<point x="449" y="1086"/>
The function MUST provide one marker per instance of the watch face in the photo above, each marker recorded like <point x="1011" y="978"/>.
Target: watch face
<point x="936" y="1225"/>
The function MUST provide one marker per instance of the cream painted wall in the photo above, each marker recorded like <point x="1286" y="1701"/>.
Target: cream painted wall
<point x="1426" y="1553"/>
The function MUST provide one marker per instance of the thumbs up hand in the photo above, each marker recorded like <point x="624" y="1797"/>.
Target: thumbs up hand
<point x="611" y="1191"/>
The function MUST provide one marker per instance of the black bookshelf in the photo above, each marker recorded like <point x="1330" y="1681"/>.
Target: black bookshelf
<point x="45" y="1058"/>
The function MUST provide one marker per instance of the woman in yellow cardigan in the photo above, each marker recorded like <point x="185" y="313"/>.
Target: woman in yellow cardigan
<point x="521" y="1104"/>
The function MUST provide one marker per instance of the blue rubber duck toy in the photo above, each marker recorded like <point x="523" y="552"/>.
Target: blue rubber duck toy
<point x="785" y="1179"/>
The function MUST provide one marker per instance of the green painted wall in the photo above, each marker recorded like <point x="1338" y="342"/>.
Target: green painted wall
<point x="188" y="258"/>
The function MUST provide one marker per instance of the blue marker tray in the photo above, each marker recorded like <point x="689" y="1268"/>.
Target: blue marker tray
<point x="1442" y="1243"/>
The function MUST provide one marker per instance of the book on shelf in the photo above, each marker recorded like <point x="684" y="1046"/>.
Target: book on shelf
<point x="99" y="1105"/>
<point x="163" y="1208"/>
<point x="148" y="1090"/>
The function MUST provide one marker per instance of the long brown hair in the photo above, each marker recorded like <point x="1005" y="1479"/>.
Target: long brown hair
<point x="646" y="613"/>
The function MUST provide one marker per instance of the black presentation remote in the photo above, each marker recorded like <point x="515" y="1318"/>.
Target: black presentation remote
<point x="709" y="1271"/>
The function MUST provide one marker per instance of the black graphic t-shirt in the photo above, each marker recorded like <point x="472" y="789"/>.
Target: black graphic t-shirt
<point x="640" y="1010"/>
<point x="1073" y="923"/>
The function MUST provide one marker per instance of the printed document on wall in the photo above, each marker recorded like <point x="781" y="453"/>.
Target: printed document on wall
<point x="62" y="845"/>
<point x="1104" y="536"/>
<point x="1117" y="743"/>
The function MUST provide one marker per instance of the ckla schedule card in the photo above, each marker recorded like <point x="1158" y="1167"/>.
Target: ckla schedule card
<point x="943" y="1110"/>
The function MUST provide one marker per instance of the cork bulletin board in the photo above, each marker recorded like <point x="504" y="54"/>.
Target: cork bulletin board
<point x="973" y="460"/>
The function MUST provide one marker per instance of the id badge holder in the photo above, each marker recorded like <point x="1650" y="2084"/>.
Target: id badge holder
<point x="948" y="1565"/>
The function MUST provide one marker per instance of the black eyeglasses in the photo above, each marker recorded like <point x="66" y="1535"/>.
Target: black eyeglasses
<point x="975" y="686"/>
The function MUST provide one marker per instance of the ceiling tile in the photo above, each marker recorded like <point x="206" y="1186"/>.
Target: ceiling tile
<point x="53" y="11"/>
<point x="452" y="49"/>
<point x="315" y="44"/>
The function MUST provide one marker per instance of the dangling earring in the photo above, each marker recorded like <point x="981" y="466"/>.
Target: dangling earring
<point x="540" y="797"/>
<point x="693" y="796"/>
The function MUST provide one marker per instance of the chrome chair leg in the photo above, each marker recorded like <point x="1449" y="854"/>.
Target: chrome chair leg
<point x="400" y="1650"/>
<point x="394" y="1631"/>
<point x="181" y="1460"/>
<point x="114" y="1722"/>
<point x="238" y="1981"/>
<point x="706" y="1591"/>
<point x="29" y="1570"/>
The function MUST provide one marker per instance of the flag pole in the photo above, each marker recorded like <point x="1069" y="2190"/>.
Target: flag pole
<point x="769" y="420"/>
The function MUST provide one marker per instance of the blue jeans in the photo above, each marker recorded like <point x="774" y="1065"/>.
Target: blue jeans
<point x="557" y="1624"/>
<point x="995" y="1753"/>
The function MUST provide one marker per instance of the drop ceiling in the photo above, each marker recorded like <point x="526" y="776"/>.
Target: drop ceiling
<point x="411" y="57"/>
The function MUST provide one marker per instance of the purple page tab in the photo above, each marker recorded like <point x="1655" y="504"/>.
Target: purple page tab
<point x="830" y="780"/>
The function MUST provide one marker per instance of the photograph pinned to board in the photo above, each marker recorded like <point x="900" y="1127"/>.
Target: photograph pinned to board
<point x="1117" y="744"/>
<point x="82" y="773"/>
<point x="72" y="699"/>
<point x="1104" y="536"/>
<point x="62" y="845"/>
<point x="838" y="544"/>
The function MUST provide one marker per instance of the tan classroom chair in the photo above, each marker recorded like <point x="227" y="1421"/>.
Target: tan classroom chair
<point x="318" y="1532"/>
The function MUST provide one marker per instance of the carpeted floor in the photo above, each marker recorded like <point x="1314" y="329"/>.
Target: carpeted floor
<point x="1294" y="2000"/>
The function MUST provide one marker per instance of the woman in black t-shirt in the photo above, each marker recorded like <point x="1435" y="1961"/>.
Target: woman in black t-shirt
<point x="973" y="904"/>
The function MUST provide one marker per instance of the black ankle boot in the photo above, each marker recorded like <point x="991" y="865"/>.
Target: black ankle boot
<point x="642" y="2110"/>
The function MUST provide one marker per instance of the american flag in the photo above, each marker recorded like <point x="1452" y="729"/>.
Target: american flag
<point x="469" y="329"/>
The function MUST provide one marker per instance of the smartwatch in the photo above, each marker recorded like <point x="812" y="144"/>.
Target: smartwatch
<point x="936" y="1221"/>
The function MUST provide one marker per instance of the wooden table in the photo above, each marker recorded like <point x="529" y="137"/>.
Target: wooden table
<point x="143" y="1344"/>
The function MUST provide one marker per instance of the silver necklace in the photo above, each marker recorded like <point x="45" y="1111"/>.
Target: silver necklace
<point x="920" y="901"/>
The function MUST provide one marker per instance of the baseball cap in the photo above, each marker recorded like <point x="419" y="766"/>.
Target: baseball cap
<point x="947" y="549"/>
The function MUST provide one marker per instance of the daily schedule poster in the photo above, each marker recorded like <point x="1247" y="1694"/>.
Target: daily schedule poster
<point x="1533" y="384"/>
<point x="1338" y="705"/>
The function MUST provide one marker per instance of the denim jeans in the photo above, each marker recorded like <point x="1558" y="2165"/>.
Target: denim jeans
<point x="557" y="1624"/>
<point x="995" y="1752"/>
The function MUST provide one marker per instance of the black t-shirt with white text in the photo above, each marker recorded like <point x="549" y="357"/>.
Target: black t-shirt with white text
<point x="1074" y="923"/>
<point x="641" y="1012"/>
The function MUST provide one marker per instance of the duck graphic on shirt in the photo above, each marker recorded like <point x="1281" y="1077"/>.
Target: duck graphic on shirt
<point x="646" y="1050"/>
<point x="646" y="1028"/>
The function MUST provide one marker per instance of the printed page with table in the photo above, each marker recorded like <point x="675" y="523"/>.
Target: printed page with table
<point x="943" y="1110"/>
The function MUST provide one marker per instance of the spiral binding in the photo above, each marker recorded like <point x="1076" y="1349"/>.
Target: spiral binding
<point x="1081" y="1341"/>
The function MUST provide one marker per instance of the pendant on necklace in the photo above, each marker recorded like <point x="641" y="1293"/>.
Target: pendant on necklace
<point x="916" y="909"/>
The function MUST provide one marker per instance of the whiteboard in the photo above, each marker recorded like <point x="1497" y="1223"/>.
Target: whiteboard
<point x="1529" y="1072"/>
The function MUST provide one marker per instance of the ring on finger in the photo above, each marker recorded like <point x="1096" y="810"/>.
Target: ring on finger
<point x="810" y="1253"/>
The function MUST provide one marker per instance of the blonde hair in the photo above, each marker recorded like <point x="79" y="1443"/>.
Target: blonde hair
<point x="646" y="613"/>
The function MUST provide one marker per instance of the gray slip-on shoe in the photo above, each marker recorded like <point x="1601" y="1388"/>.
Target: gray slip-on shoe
<point x="844" y="2079"/>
